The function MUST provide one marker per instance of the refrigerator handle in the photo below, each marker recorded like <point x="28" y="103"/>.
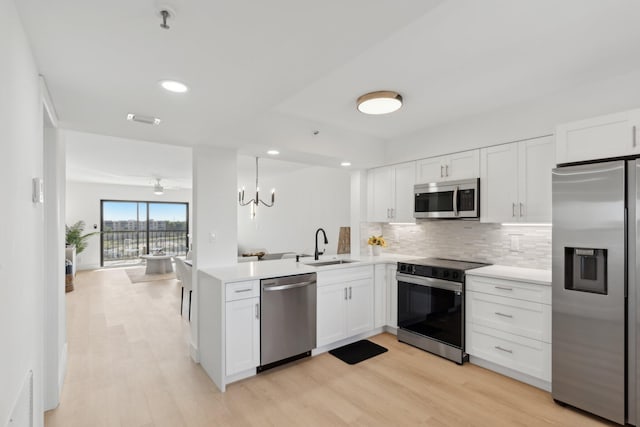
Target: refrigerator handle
<point x="626" y="251"/>
<point x="634" y="134"/>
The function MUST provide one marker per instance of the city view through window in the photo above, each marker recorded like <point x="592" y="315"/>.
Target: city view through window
<point x="134" y="228"/>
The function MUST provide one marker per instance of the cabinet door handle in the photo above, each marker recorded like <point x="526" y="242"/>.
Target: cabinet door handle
<point x="506" y="350"/>
<point x="242" y="290"/>
<point x="441" y="171"/>
<point x="345" y="293"/>
<point x="393" y="213"/>
<point x="510" y="316"/>
<point x="257" y="311"/>
<point x="446" y="170"/>
<point x="503" y="288"/>
<point x="513" y="209"/>
<point x="521" y="209"/>
<point x="634" y="136"/>
<point x="349" y="292"/>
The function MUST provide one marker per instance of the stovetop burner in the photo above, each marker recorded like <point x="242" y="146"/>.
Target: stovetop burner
<point x="440" y="268"/>
<point x="448" y="263"/>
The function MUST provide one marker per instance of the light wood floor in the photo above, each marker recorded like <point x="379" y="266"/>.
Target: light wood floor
<point x="129" y="366"/>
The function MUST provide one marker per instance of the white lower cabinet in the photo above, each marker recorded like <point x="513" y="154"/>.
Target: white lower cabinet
<point x="380" y="295"/>
<point x="332" y="314"/>
<point x="345" y="304"/>
<point x="392" y="286"/>
<point x="508" y="323"/>
<point x="243" y="334"/>
<point x="529" y="356"/>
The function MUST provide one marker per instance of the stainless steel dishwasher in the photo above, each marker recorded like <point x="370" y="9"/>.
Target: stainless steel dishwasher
<point x="287" y="319"/>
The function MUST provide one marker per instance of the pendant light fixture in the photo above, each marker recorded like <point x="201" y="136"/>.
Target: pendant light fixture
<point x="380" y="102"/>
<point x="157" y="188"/>
<point x="256" y="200"/>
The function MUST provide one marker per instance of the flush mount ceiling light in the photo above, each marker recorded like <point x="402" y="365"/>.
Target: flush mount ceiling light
<point x="157" y="188"/>
<point x="273" y="152"/>
<point x="380" y="102"/>
<point x="345" y="164"/>
<point x="173" y="86"/>
<point x="143" y="119"/>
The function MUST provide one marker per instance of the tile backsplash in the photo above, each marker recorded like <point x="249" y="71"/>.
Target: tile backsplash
<point x="520" y="246"/>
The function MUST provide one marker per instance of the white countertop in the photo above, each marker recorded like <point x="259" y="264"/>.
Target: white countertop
<point x="531" y="275"/>
<point x="287" y="267"/>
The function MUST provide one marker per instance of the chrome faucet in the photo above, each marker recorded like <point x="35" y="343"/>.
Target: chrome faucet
<point x="316" y="253"/>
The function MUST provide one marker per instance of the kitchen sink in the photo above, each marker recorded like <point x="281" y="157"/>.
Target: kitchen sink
<point x="332" y="262"/>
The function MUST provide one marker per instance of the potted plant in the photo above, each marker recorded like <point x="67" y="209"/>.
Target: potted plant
<point x="376" y="242"/>
<point x="74" y="236"/>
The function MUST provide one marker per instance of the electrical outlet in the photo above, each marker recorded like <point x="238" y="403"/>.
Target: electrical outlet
<point x="515" y="243"/>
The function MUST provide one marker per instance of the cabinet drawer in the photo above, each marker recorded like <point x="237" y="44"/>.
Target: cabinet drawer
<point x="521" y="354"/>
<point x="342" y="275"/>
<point x="242" y="290"/>
<point x="510" y="288"/>
<point x="523" y="318"/>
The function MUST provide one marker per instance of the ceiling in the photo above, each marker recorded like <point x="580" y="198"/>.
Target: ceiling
<point x="121" y="161"/>
<point x="266" y="74"/>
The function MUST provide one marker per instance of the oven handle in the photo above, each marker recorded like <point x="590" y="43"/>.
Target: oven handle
<point x="430" y="282"/>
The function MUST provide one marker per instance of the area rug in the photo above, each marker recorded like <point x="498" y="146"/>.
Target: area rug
<point x="137" y="275"/>
<point x="358" y="351"/>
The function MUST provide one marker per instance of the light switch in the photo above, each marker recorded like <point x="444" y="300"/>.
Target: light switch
<point x="37" y="190"/>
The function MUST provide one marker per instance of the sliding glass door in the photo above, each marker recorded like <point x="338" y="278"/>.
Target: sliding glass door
<point x="134" y="228"/>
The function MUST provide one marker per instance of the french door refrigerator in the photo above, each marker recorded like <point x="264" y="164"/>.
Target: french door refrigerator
<point x="595" y="301"/>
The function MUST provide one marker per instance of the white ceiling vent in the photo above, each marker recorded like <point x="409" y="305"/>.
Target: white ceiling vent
<point x="143" y="119"/>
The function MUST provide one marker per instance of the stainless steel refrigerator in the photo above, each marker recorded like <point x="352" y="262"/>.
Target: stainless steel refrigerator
<point x="595" y="301"/>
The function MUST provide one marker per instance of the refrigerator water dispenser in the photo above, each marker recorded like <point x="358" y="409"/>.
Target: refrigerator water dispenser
<point x="586" y="270"/>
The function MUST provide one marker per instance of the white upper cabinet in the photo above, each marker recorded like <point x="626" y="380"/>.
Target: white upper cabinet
<point x="536" y="160"/>
<point x="380" y="189"/>
<point x="463" y="165"/>
<point x="390" y="193"/>
<point x="499" y="183"/>
<point x="515" y="181"/>
<point x="613" y="135"/>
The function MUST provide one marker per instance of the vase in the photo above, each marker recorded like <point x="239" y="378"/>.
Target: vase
<point x="375" y="250"/>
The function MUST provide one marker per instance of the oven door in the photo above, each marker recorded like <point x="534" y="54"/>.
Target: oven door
<point x="432" y="308"/>
<point x="452" y="199"/>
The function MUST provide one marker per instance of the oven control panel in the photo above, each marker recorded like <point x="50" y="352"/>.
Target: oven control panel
<point x="444" y="273"/>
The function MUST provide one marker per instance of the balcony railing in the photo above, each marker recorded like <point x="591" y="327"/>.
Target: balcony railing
<point x="124" y="246"/>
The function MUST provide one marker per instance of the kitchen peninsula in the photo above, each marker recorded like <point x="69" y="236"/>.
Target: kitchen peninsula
<point x="229" y="312"/>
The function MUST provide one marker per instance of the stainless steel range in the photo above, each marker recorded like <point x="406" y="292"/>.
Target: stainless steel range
<point x="431" y="305"/>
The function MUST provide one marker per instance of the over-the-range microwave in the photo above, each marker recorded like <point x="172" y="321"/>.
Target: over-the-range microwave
<point x="449" y="199"/>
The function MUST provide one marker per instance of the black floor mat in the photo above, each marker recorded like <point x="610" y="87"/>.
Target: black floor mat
<point x="358" y="351"/>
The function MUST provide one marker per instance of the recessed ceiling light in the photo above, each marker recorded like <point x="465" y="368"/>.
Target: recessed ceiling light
<point x="143" y="119"/>
<point x="174" y="86"/>
<point x="273" y="152"/>
<point x="381" y="102"/>
<point x="345" y="164"/>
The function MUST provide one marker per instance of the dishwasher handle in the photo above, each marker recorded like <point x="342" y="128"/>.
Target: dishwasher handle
<point x="285" y="287"/>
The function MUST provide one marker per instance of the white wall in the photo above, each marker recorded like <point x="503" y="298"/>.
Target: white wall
<point x="55" y="344"/>
<point x="22" y="223"/>
<point x="215" y="234"/>
<point x="83" y="203"/>
<point x="306" y="199"/>
<point x="528" y="120"/>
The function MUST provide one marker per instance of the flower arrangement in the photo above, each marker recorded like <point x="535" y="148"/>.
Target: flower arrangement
<point x="377" y="241"/>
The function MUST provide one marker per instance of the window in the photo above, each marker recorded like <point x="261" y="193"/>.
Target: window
<point x="134" y="228"/>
